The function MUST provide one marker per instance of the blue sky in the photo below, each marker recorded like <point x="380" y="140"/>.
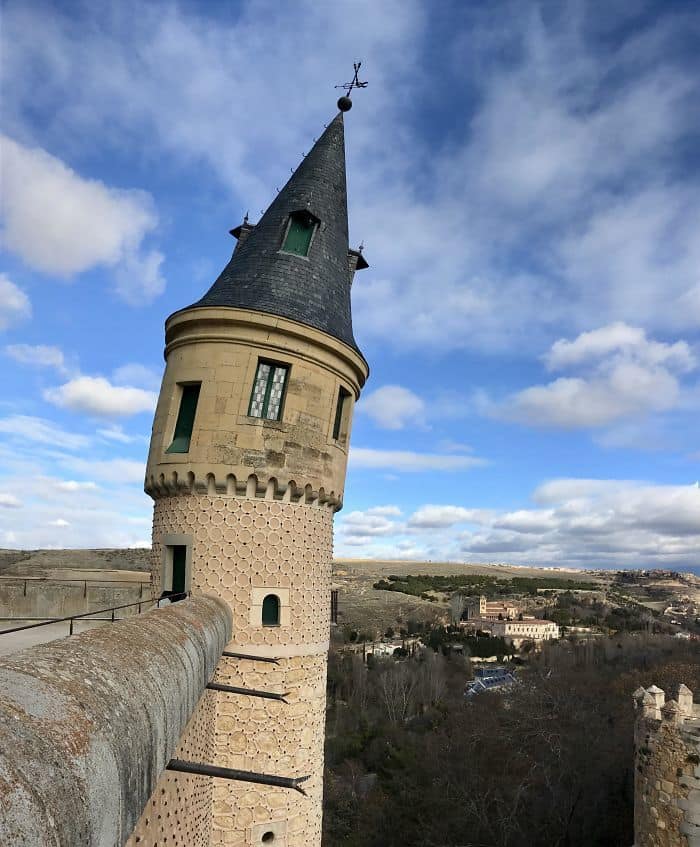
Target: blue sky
<point x="524" y="177"/>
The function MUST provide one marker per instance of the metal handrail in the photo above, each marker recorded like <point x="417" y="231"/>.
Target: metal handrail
<point x="111" y="609"/>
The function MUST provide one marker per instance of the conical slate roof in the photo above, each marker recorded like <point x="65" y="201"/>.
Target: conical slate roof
<point x="313" y="289"/>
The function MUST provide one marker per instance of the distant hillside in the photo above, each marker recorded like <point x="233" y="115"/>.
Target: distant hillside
<point x="40" y="562"/>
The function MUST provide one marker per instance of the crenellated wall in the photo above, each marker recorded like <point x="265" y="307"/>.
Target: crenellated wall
<point x="667" y="769"/>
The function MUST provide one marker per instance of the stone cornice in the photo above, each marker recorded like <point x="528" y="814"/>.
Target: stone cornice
<point x="239" y="326"/>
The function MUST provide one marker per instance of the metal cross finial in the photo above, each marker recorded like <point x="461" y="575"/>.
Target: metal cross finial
<point x="355" y="82"/>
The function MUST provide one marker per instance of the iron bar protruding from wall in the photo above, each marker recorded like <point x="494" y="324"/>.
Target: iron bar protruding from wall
<point x="242" y="776"/>
<point x="251" y="657"/>
<point x="250" y="692"/>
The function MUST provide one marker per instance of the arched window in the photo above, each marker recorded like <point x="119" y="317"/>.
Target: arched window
<point x="271" y="610"/>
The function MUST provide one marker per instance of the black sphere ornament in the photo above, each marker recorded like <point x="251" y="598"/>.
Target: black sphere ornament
<point x="345" y="104"/>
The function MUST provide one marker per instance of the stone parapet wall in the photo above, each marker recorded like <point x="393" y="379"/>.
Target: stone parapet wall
<point x="667" y="769"/>
<point x="88" y="723"/>
<point x="47" y="598"/>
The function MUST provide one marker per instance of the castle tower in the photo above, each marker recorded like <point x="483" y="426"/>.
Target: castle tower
<point x="667" y="769"/>
<point x="246" y="467"/>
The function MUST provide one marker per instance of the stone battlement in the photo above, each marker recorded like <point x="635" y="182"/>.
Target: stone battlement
<point x="667" y="769"/>
<point x="254" y="486"/>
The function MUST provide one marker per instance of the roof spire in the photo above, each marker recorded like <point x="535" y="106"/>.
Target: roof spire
<point x="310" y="286"/>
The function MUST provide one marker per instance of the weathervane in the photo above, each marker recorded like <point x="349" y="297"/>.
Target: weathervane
<point x="345" y="103"/>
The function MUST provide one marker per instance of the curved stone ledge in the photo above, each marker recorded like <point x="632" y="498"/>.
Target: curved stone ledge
<point x="226" y="324"/>
<point x="252" y="487"/>
<point x="88" y="723"/>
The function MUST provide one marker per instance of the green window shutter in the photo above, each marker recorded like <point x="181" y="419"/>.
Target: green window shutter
<point x="339" y="410"/>
<point x="271" y="610"/>
<point x="185" y="419"/>
<point x="299" y="234"/>
<point x="268" y="391"/>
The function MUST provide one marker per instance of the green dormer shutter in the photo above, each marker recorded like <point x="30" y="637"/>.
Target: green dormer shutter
<point x="299" y="233"/>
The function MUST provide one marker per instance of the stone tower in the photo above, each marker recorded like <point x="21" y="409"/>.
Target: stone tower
<point x="246" y="467"/>
<point x="667" y="769"/>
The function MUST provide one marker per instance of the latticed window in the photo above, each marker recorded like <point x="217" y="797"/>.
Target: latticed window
<point x="268" y="391"/>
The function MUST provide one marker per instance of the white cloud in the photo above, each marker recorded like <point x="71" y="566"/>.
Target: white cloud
<point x="527" y="521"/>
<point x="384" y="511"/>
<point x="138" y="375"/>
<point x="14" y="303"/>
<point x="9" y="501"/>
<point x="98" y="396"/>
<point x="72" y="485"/>
<point x="619" y="338"/>
<point x="625" y="374"/>
<point x="109" y="470"/>
<point x="556" y="201"/>
<point x="116" y="433"/>
<point x="42" y="431"/>
<point x="593" y="522"/>
<point x="576" y="523"/>
<point x="75" y="505"/>
<point x="139" y="278"/>
<point x="393" y="407"/>
<point x="63" y="224"/>
<point x="365" y="524"/>
<point x="435" y="517"/>
<point x="410" y="461"/>
<point x="521" y="232"/>
<point x="40" y="355"/>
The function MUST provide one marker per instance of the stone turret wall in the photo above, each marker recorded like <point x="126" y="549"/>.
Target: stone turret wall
<point x="221" y="348"/>
<point x="667" y="769"/>
<point x="241" y="547"/>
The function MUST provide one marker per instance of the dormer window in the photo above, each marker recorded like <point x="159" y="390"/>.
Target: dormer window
<point x="299" y="234"/>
